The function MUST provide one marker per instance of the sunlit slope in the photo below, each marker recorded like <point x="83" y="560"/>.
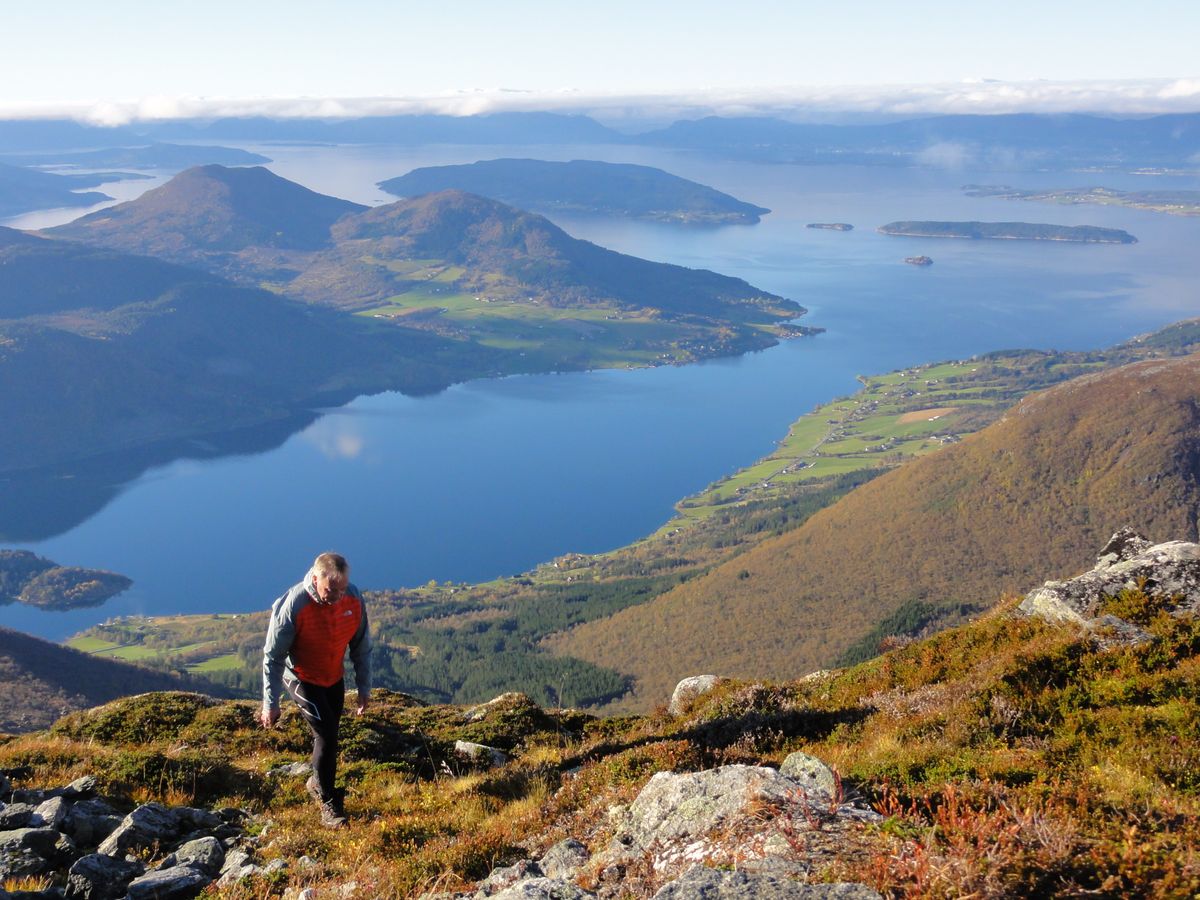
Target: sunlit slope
<point x="1030" y="497"/>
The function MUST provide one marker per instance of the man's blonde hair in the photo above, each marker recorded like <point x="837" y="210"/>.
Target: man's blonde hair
<point x="331" y="564"/>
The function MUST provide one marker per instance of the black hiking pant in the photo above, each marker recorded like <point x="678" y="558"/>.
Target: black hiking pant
<point x="322" y="710"/>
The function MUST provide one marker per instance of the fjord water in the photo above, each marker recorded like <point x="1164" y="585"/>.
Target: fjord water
<point x="492" y="477"/>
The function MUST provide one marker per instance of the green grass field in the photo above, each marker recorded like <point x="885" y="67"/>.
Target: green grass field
<point x="879" y="426"/>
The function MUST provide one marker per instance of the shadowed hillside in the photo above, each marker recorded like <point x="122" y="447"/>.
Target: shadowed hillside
<point x="102" y="350"/>
<point x="1027" y="498"/>
<point x="43" y="681"/>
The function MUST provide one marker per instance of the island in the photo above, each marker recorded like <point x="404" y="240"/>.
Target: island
<point x="584" y="186"/>
<point x="35" y="581"/>
<point x="1174" y="203"/>
<point x="23" y="190"/>
<point x="1010" y="231"/>
<point x="831" y="226"/>
<point x="918" y="260"/>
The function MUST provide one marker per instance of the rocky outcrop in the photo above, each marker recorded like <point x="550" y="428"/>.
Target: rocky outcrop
<point x="748" y="816"/>
<point x="480" y="754"/>
<point x="1128" y="561"/>
<point x="91" y="852"/>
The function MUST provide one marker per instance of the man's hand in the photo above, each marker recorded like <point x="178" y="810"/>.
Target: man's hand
<point x="268" y="717"/>
<point x="362" y="704"/>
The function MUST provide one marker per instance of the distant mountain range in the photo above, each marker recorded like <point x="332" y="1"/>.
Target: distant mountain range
<point x="1012" y="141"/>
<point x="172" y="157"/>
<point x="583" y="186"/>
<point x="1027" y="498"/>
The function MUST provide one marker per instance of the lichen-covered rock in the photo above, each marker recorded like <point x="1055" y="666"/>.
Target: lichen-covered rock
<point x="679" y="805"/>
<point x="818" y="780"/>
<point x="100" y="877"/>
<point x="205" y="854"/>
<point x="176" y="883"/>
<point x="238" y="865"/>
<point x="50" y="813"/>
<point x="503" y="877"/>
<point x="700" y="883"/>
<point x="564" y="859"/>
<point x="543" y="889"/>
<point x="513" y="700"/>
<point x="90" y="821"/>
<point x="16" y="815"/>
<point x="32" y="851"/>
<point x="81" y="788"/>
<point x="1126" y="562"/>
<point x="146" y="826"/>
<point x="291" y="770"/>
<point x="480" y="753"/>
<point x="689" y="689"/>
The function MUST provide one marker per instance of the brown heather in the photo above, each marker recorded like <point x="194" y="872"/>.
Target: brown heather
<point x="1010" y="758"/>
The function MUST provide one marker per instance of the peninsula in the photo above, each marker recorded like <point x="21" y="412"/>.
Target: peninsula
<point x="1010" y="231"/>
<point x="1174" y="203"/>
<point x="584" y="186"/>
<point x="36" y="581"/>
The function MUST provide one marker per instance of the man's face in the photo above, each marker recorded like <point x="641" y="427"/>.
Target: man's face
<point x="330" y="587"/>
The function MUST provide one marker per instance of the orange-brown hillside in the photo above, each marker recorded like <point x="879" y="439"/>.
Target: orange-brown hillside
<point x="1030" y="497"/>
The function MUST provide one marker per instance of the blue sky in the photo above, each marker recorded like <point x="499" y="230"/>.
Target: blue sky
<point x="125" y="57"/>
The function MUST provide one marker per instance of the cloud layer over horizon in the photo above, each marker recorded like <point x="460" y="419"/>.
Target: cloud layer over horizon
<point x="1126" y="97"/>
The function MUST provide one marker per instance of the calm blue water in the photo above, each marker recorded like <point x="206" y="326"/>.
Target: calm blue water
<point x="490" y="478"/>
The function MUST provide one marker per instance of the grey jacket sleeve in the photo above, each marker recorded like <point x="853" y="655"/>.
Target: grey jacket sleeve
<point x="360" y="653"/>
<point x="280" y="634"/>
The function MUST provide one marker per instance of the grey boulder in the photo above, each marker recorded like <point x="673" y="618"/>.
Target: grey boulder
<point x="1127" y="561"/>
<point x="689" y="690"/>
<point x="818" y="781"/>
<point x="543" y="889"/>
<point x="32" y="851"/>
<point x="100" y="877"/>
<point x="149" y="824"/>
<point x="700" y="883"/>
<point x="564" y="859"/>
<point x="175" y="883"/>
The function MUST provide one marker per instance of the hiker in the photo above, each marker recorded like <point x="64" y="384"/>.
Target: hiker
<point x="311" y="627"/>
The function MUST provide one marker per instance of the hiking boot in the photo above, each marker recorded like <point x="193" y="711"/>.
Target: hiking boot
<point x="314" y="788"/>
<point x="332" y="814"/>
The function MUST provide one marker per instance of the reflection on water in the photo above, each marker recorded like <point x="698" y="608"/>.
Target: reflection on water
<point x="38" y="504"/>
<point x="490" y="478"/>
